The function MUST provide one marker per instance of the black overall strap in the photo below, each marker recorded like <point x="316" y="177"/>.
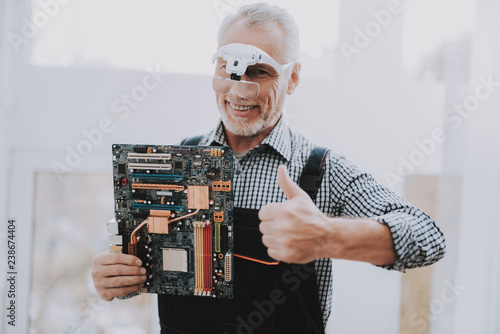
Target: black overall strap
<point x="312" y="174"/>
<point x="193" y="141"/>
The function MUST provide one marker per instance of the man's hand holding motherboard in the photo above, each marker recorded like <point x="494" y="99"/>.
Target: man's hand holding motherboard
<point x="117" y="274"/>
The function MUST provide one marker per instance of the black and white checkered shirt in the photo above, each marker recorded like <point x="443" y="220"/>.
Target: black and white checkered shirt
<point x="344" y="191"/>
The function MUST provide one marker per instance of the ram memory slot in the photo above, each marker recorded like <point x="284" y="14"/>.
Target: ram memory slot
<point x="198" y="255"/>
<point x="203" y="258"/>
<point x="207" y="231"/>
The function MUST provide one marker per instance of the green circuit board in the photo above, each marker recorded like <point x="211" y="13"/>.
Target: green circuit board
<point x="174" y="210"/>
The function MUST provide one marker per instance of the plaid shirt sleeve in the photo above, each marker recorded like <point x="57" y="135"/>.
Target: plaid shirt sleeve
<point x="417" y="240"/>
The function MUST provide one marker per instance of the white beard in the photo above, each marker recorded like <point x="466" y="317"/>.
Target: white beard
<point x="241" y="126"/>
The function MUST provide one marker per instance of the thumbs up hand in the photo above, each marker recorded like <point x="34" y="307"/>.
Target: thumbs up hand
<point x="295" y="231"/>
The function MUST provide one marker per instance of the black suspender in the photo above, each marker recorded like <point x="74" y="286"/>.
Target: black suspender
<point x="312" y="174"/>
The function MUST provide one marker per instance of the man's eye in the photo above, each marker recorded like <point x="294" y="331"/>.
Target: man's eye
<point x="258" y="72"/>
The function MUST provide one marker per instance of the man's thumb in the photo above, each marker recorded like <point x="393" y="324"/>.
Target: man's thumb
<point x="290" y="188"/>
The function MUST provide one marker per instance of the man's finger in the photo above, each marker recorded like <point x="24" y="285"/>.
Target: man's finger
<point x="117" y="258"/>
<point x="290" y="189"/>
<point x="275" y="253"/>
<point x="109" y="293"/>
<point x="122" y="281"/>
<point x="269" y="211"/>
<point x="122" y="270"/>
<point x="268" y="227"/>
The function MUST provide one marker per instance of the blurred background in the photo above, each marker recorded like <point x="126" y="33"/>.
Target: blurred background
<point x="408" y="90"/>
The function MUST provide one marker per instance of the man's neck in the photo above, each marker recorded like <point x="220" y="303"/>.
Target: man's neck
<point x="245" y="143"/>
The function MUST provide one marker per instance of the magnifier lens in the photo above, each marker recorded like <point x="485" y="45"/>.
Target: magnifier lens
<point x="245" y="89"/>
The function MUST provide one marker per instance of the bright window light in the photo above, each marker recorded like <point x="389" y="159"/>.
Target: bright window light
<point x="434" y="30"/>
<point x="179" y="36"/>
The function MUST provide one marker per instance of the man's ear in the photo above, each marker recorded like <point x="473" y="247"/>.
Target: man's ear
<point x="294" y="78"/>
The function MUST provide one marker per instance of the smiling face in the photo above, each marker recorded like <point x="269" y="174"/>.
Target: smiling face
<point x="256" y="116"/>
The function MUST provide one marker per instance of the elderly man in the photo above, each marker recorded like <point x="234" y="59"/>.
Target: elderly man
<point x="286" y="236"/>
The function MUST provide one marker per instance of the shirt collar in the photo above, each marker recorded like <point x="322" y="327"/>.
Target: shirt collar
<point x="217" y="137"/>
<point x="279" y="138"/>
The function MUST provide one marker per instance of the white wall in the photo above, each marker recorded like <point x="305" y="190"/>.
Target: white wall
<point x="479" y="266"/>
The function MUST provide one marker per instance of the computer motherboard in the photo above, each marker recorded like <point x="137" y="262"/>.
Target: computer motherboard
<point x="174" y="210"/>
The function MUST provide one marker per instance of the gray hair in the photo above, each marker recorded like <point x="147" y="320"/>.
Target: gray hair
<point x="265" y="16"/>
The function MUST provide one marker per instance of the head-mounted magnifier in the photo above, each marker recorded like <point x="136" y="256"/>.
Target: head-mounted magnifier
<point x="237" y="58"/>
